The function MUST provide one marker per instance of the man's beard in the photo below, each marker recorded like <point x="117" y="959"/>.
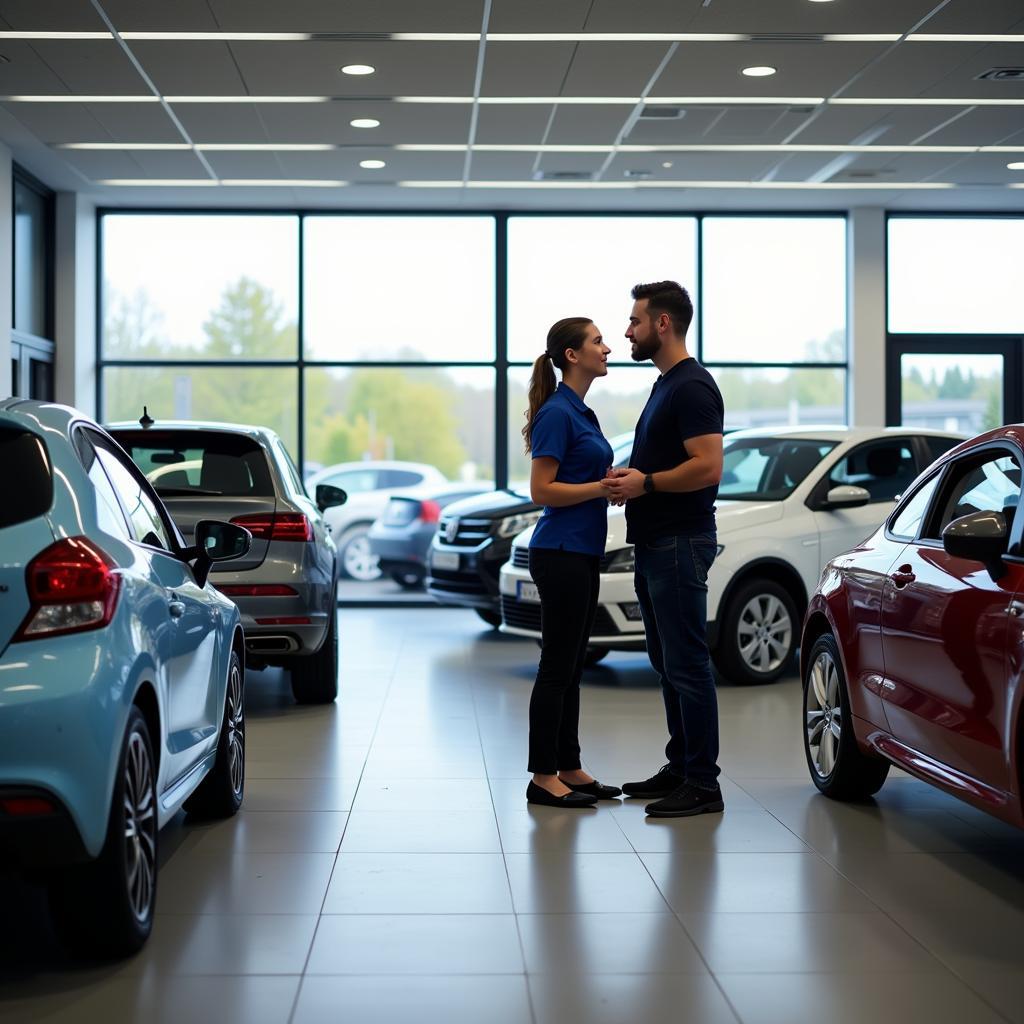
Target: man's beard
<point x="642" y="351"/>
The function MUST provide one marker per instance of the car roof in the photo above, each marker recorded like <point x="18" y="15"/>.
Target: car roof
<point x="191" y="425"/>
<point x="832" y="432"/>
<point x="439" y="490"/>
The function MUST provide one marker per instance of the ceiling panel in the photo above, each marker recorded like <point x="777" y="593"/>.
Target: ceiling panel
<point x="312" y="68"/>
<point x="693" y="166"/>
<point x="895" y="167"/>
<point x="505" y="63"/>
<point x="527" y="15"/>
<point x="584" y="124"/>
<point x="138" y="164"/>
<point x="58" y="122"/>
<point x="26" y="72"/>
<point x="799" y="16"/>
<point x="350" y="16"/>
<point x="584" y="162"/>
<point x="996" y="16"/>
<point x="804" y="69"/>
<point x="614" y="69"/>
<point x="235" y="122"/>
<point x="135" y="122"/>
<point x="501" y="167"/>
<point x="190" y="69"/>
<point x="514" y="125"/>
<point x="95" y="67"/>
<point x="981" y="126"/>
<point x="51" y="16"/>
<point x="160" y="16"/>
<point x="894" y="126"/>
<point x="252" y="165"/>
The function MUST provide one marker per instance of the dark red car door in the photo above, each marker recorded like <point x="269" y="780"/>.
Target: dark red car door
<point x="945" y="633"/>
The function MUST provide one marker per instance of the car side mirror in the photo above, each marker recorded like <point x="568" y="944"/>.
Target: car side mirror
<point x="982" y="537"/>
<point x="216" y="542"/>
<point x="846" y="496"/>
<point x="328" y="496"/>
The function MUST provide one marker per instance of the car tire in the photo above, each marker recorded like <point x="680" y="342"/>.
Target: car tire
<point x="355" y="559"/>
<point x="760" y="634"/>
<point x="408" y="579"/>
<point x="838" y="767"/>
<point x="105" y="908"/>
<point x="315" y="676"/>
<point x="493" y="619"/>
<point x="594" y="655"/>
<point x="220" y="794"/>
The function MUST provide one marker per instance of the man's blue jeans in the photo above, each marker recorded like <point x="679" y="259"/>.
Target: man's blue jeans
<point x="671" y="586"/>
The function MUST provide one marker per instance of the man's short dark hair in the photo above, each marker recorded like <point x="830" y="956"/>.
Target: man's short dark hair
<point x="667" y="297"/>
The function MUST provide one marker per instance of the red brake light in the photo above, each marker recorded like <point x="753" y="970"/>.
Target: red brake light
<point x="430" y="511"/>
<point x="27" y="806"/>
<point x="282" y="526"/>
<point x="72" y="587"/>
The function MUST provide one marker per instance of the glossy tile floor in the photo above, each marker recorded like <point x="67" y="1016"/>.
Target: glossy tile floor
<point x="386" y="867"/>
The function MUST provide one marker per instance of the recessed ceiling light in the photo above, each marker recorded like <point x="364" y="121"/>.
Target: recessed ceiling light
<point x="365" y="122"/>
<point x="1017" y="165"/>
<point x="358" y="69"/>
<point x="666" y="164"/>
<point x="372" y="165"/>
<point x="759" y="71"/>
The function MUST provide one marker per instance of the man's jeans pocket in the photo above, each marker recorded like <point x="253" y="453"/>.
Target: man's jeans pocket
<point x="703" y="550"/>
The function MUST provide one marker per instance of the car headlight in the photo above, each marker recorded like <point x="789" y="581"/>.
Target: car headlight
<point x="511" y="525"/>
<point x="622" y="561"/>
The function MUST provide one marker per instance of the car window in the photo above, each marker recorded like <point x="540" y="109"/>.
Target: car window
<point x="400" y="478"/>
<point x="768" y="469"/>
<point x="986" y="483"/>
<point x="185" y="463"/>
<point x="290" y="468"/>
<point x="354" y="481"/>
<point x="883" y="468"/>
<point x="109" y="513"/>
<point x="907" y="520"/>
<point x="938" y="446"/>
<point x="147" y="523"/>
<point x="24" y="459"/>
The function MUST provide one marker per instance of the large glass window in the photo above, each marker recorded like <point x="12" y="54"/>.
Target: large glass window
<point x="402" y="288"/>
<point x="781" y="397"/>
<point x="200" y="287"/>
<point x="33" y="271"/>
<point x="951" y="392"/>
<point x="956" y="275"/>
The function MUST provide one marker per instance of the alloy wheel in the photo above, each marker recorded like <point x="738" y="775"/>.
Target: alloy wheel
<point x="139" y="828"/>
<point x="236" y="729"/>
<point x="823" y="714"/>
<point x="764" y="633"/>
<point x="359" y="561"/>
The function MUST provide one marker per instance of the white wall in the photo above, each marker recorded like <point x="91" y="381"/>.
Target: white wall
<point x="6" y="269"/>
<point x="75" y="300"/>
<point x="866" y="307"/>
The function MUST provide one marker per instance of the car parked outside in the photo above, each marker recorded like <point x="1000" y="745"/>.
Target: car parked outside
<point x="369" y="486"/>
<point x="121" y="674"/>
<point x="474" y="540"/>
<point x="285" y="588"/>
<point x="913" y="644"/>
<point x="789" y="500"/>
<point x="401" y="537"/>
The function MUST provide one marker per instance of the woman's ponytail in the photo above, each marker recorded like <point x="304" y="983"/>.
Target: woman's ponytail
<point x="568" y="333"/>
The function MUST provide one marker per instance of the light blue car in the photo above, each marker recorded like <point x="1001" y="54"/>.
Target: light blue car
<point x="121" y="674"/>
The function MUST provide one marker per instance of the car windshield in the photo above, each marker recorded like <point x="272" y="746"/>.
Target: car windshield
<point x="768" y="468"/>
<point x="196" y="463"/>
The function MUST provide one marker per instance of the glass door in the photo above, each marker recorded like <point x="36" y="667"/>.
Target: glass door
<point x="959" y="383"/>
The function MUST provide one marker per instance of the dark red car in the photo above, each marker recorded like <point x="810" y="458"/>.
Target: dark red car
<point x="913" y="643"/>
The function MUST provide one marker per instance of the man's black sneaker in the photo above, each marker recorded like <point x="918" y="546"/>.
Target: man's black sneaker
<point x="663" y="782"/>
<point x="687" y="800"/>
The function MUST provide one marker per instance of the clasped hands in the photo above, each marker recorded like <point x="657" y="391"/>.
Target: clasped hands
<point x="622" y="484"/>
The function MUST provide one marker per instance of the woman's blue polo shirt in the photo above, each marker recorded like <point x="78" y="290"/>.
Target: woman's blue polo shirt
<point x="566" y="430"/>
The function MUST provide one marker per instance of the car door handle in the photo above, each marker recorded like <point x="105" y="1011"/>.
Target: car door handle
<point x="176" y="608"/>
<point x="903" y="576"/>
<point x="1016" y="608"/>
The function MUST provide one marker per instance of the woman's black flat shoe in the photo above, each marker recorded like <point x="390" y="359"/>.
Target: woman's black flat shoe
<point x="538" y="795"/>
<point x="597" y="790"/>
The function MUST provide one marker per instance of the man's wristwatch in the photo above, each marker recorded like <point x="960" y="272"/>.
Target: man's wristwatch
<point x="649" y="483"/>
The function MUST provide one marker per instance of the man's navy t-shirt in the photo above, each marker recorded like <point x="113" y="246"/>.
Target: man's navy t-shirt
<point x="685" y="402"/>
<point x="567" y="430"/>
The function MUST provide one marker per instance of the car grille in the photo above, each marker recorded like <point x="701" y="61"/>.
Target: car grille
<point x="457" y="582"/>
<point x="521" y="559"/>
<point x="526" y="615"/>
<point x="469" y="534"/>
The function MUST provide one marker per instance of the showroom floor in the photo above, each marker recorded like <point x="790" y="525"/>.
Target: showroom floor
<point x="386" y="867"/>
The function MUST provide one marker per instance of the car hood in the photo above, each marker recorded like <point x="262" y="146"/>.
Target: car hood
<point x="492" y="505"/>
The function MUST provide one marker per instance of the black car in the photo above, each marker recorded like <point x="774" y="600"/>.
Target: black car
<point x="474" y="540"/>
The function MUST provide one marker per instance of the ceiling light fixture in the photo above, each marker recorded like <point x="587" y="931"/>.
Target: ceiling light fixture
<point x="759" y="71"/>
<point x="372" y="165"/>
<point x="1017" y="165"/>
<point x="365" y="122"/>
<point x="358" y="69"/>
<point x="666" y="164"/>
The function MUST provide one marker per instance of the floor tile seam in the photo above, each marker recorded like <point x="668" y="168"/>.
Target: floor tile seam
<point x="501" y="846"/>
<point x="355" y="794"/>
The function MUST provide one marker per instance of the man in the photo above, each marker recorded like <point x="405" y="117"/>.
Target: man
<point x="669" y="491"/>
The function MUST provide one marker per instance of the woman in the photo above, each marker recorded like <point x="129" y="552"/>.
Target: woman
<point x="570" y="458"/>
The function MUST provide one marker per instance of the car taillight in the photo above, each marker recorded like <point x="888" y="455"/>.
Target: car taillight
<point x="430" y="511"/>
<point x="72" y="587"/>
<point x="257" y="590"/>
<point x="27" y="806"/>
<point x="282" y="526"/>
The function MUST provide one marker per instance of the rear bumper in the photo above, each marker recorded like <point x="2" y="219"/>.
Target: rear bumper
<point x="38" y="841"/>
<point x="401" y="547"/>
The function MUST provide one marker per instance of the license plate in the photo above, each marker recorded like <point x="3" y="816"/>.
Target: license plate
<point x="527" y="592"/>
<point x="445" y="560"/>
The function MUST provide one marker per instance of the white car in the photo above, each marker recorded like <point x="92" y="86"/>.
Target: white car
<point x="790" y="500"/>
<point x="369" y="486"/>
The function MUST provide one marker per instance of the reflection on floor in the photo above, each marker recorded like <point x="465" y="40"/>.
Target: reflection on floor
<point x="387" y="868"/>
